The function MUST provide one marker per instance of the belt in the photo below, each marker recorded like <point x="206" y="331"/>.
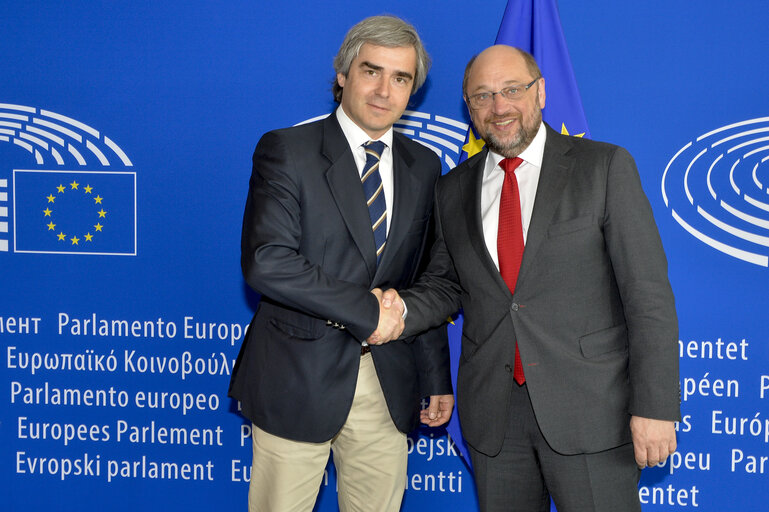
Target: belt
<point x="365" y="349"/>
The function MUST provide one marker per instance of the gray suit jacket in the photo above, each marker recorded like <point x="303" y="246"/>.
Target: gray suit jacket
<point x="593" y="311"/>
<point x="308" y="248"/>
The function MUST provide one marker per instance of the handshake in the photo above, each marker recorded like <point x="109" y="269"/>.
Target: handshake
<point x="391" y="321"/>
<point x="390" y="327"/>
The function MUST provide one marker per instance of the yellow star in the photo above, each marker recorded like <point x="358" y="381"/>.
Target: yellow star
<point x="88" y="189"/>
<point x="51" y="198"/>
<point x="61" y="236"/>
<point x="74" y="185"/>
<point x="88" y="237"/>
<point x="75" y="240"/>
<point x="564" y="131"/>
<point x="97" y="199"/>
<point x="473" y="145"/>
<point x="102" y="213"/>
<point x="98" y="227"/>
<point x="47" y="212"/>
<point x="51" y="226"/>
<point x="60" y="188"/>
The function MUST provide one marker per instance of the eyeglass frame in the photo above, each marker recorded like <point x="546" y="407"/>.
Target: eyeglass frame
<point x="502" y="92"/>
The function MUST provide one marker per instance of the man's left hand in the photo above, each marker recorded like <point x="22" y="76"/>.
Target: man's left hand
<point x="439" y="410"/>
<point x="653" y="440"/>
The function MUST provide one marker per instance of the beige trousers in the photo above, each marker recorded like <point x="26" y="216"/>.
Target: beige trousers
<point x="369" y="454"/>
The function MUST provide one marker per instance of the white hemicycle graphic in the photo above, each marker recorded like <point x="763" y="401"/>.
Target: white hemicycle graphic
<point x="717" y="188"/>
<point x="60" y="144"/>
<point x="443" y="135"/>
<point x="56" y="139"/>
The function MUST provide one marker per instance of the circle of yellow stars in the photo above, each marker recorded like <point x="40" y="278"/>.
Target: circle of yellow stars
<point x="48" y="212"/>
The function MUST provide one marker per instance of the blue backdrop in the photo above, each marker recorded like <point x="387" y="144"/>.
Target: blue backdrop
<point x="126" y="132"/>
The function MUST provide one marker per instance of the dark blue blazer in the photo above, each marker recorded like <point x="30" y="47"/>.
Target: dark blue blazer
<point x="308" y="249"/>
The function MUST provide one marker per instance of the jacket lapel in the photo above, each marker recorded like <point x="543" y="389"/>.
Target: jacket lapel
<point x="470" y="184"/>
<point x="553" y="177"/>
<point x="344" y="182"/>
<point x="405" y="190"/>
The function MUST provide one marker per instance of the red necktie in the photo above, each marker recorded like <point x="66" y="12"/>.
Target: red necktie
<point x="510" y="240"/>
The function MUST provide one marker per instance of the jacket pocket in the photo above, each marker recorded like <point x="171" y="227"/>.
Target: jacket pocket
<point x="294" y="331"/>
<point x="570" y="226"/>
<point x="291" y="323"/>
<point x="604" y="341"/>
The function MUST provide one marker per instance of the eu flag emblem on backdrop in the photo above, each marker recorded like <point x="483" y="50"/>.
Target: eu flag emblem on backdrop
<point x="534" y="26"/>
<point x="74" y="212"/>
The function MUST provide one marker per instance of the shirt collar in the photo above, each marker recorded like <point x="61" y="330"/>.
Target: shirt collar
<point x="355" y="135"/>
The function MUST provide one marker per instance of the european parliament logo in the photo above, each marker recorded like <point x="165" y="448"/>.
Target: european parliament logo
<point x="74" y="201"/>
<point x="443" y="135"/>
<point x="717" y="188"/>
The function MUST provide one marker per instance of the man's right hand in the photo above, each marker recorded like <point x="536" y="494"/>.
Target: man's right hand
<point x="389" y="298"/>
<point x="391" y="322"/>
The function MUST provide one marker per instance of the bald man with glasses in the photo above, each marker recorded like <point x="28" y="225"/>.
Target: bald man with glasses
<point x="568" y="378"/>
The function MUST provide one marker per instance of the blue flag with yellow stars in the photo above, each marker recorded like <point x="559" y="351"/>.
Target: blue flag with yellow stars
<point x="75" y="212"/>
<point x="534" y="26"/>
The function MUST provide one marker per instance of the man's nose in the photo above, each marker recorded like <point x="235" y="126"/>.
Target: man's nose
<point x="499" y="105"/>
<point x="383" y="87"/>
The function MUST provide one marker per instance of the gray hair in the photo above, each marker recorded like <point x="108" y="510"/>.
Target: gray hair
<point x="388" y="31"/>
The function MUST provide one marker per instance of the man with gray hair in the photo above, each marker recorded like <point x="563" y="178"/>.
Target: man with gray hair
<point x="335" y="209"/>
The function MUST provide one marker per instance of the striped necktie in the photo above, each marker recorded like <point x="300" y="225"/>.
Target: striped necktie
<point x="372" y="189"/>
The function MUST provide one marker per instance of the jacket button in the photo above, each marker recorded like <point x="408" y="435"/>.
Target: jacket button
<point x="508" y="368"/>
<point x="514" y="307"/>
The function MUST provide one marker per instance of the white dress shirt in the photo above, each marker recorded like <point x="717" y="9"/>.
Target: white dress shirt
<point x="356" y="138"/>
<point x="491" y="189"/>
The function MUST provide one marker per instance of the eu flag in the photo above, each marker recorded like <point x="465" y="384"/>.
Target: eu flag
<point x="74" y="212"/>
<point x="534" y="26"/>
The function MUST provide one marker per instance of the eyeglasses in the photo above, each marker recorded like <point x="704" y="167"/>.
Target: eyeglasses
<point x="484" y="99"/>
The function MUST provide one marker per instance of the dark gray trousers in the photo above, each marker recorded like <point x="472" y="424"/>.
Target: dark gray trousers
<point x="527" y="472"/>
